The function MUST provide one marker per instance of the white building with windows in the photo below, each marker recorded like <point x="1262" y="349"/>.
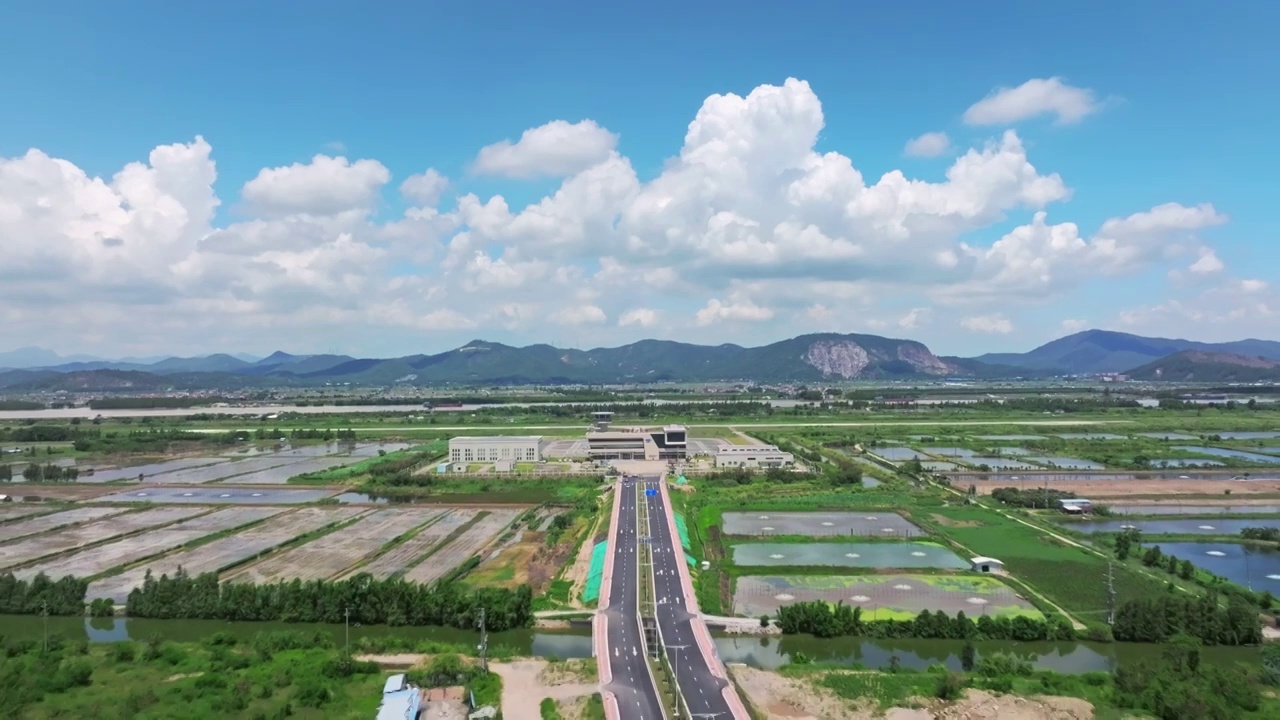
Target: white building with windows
<point x="752" y="456"/>
<point x="495" y="448"/>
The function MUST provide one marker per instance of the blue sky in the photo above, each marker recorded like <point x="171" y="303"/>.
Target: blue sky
<point x="1177" y="112"/>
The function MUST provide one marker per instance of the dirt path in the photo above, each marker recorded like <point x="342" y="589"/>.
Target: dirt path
<point x="395" y="659"/>
<point x="526" y="682"/>
<point x="777" y="697"/>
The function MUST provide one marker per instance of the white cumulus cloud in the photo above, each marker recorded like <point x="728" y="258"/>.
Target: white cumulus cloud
<point x="1035" y="97"/>
<point x="324" y="186"/>
<point x="556" y="149"/>
<point x="743" y="310"/>
<point x="996" y="324"/>
<point x="641" y="317"/>
<point x="580" y="315"/>
<point x="930" y="144"/>
<point x="425" y="188"/>
<point x="747" y="234"/>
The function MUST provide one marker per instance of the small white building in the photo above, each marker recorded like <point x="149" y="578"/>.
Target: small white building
<point x="1075" y="506"/>
<point x="752" y="456"/>
<point x="516" y="448"/>
<point x="987" y="565"/>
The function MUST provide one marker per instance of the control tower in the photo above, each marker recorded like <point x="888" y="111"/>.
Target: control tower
<point x="601" y="420"/>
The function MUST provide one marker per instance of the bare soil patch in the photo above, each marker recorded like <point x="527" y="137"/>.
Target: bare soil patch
<point x="64" y="493"/>
<point x="777" y="696"/>
<point x="526" y="682"/>
<point x="950" y="522"/>
<point x="577" y="572"/>
<point x="1154" y="488"/>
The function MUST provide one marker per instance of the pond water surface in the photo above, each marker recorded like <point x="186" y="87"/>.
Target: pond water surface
<point x="876" y="555"/>
<point x="1248" y="565"/>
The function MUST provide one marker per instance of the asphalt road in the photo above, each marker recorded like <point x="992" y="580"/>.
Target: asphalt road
<point x="632" y="682"/>
<point x="702" y="690"/>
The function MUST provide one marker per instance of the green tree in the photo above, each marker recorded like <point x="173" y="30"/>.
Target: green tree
<point x="968" y="656"/>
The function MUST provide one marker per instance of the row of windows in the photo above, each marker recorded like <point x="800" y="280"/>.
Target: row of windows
<point x="486" y="454"/>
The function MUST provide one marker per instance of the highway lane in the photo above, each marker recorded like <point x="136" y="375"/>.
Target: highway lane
<point x="632" y="682"/>
<point x="703" y="691"/>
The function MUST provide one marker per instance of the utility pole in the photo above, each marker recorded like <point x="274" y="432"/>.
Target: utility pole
<point x="44" y="610"/>
<point x="1248" y="576"/>
<point x="346" y="628"/>
<point x="675" y="667"/>
<point x="1111" y="594"/>
<point x="484" y="644"/>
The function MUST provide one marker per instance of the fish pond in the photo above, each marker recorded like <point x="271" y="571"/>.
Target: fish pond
<point x="871" y="555"/>
<point x="1203" y="526"/>
<point x="882" y="597"/>
<point x="1229" y="454"/>
<point x="816" y="524"/>
<point x="1132" y="509"/>
<point x="1248" y="565"/>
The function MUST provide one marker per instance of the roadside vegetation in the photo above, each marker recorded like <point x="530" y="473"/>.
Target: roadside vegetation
<point x="275" y="675"/>
<point x="1173" y="685"/>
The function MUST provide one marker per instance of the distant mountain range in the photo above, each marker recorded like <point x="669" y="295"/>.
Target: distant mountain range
<point x="807" y="358"/>
<point x="1105" y="351"/>
<point x="1215" y="367"/>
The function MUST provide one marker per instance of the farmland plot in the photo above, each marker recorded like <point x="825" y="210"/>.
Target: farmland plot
<point x="31" y="526"/>
<point x="9" y="511"/>
<point x="36" y="547"/>
<point x="281" y="475"/>
<point x="402" y="555"/>
<point x="102" y="558"/>
<point x="330" y="554"/>
<point x="469" y="543"/>
<point x="146" y="471"/>
<point x="225" y="470"/>
<point x="224" y="552"/>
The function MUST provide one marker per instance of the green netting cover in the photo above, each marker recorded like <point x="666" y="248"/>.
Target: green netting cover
<point x="595" y="574"/>
<point x="683" y="529"/>
<point x="682" y="480"/>
<point x="689" y="559"/>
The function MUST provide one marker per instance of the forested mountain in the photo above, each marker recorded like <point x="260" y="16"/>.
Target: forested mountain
<point x="1099" y="351"/>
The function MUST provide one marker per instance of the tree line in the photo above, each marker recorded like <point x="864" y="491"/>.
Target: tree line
<point x="821" y="619"/>
<point x="1270" y="534"/>
<point x="35" y="472"/>
<point x="1157" y="619"/>
<point x="1034" y="498"/>
<point x="41" y="594"/>
<point x="370" y="601"/>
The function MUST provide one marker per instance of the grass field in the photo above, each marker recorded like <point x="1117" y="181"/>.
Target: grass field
<point x="1071" y="577"/>
<point x="133" y="680"/>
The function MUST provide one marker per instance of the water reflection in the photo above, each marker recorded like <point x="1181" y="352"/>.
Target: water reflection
<point x="1065" y="657"/>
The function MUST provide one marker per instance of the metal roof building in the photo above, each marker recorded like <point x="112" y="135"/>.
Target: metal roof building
<point x="400" y="705"/>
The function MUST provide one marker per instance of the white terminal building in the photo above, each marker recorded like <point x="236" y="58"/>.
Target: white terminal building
<point x="752" y="456"/>
<point x="667" y="443"/>
<point x="496" y="448"/>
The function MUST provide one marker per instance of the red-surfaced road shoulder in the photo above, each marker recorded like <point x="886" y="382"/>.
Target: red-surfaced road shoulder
<point x="705" y="645"/>
<point x="599" y="624"/>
